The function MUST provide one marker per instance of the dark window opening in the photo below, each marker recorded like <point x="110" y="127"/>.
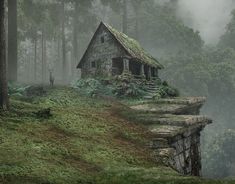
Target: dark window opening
<point x="93" y="64"/>
<point x="135" y="67"/>
<point x="102" y="39"/>
<point x="117" y="66"/>
<point x="146" y="72"/>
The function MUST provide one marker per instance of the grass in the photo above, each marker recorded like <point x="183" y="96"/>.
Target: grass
<point x="84" y="141"/>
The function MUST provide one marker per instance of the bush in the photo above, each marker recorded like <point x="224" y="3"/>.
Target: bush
<point x="126" y="86"/>
<point x="122" y="86"/>
<point x="89" y="86"/>
<point x="16" y="90"/>
<point x="165" y="91"/>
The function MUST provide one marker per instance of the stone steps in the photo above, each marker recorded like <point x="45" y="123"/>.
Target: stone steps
<point x="151" y="91"/>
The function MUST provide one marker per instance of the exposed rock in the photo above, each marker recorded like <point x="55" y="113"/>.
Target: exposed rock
<point x="176" y="126"/>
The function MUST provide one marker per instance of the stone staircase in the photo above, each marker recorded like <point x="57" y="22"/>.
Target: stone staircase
<point x="151" y="91"/>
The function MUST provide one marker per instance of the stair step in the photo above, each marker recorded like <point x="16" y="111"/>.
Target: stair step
<point x="148" y="97"/>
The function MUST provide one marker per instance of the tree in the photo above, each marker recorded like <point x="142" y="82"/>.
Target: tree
<point x="219" y="155"/>
<point x="137" y="6"/>
<point x="12" y="40"/>
<point x="75" y="34"/>
<point x="227" y="40"/>
<point x="63" y="42"/>
<point x="81" y="9"/>
<point x="3" y="80"/>
<point x="124" y="18"/>
<point x="122" y="8"/>
<point x="39" y="23"/>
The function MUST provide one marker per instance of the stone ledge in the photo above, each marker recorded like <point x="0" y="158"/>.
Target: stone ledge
<point x="187" y="106"/>
<point x="175" y="126"/>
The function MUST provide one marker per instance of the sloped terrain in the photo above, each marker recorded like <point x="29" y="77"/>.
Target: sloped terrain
<point x="84" y="141"/>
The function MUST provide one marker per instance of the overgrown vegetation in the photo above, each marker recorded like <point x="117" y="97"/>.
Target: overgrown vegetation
<point x="123" y="86"/>
<point x="83" y="141"/>
<point x="191" y="66"/>
<point x="165" y="91"/>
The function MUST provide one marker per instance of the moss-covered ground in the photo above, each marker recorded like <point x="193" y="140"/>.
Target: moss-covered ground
<point x="84" y="141"/>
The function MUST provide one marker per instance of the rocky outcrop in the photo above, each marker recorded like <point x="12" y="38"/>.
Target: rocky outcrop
<point x="176" y="126"/>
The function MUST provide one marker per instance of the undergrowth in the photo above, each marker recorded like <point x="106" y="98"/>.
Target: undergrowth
<point x="123" y="86"/>
<point x="84" y="141"/>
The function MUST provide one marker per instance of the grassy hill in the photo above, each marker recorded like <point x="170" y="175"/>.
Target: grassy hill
<point x="84" y="141"/>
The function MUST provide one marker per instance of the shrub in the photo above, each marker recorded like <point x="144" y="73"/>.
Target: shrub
<point x="126" y="86"/>
<point x="89" y="86"/>
<point x="17" y="90"/>
<point x="164" y="91"/>
<point x="122" y="86"/>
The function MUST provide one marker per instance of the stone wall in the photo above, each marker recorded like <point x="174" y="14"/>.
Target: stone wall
<point x="102" y="50"/>
<point x="187" y="158"/>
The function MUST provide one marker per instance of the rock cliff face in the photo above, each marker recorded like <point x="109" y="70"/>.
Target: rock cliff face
<point x="176" y="126"/>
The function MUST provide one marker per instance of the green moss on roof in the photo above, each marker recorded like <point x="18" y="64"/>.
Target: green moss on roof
<point x="133" y="48"/>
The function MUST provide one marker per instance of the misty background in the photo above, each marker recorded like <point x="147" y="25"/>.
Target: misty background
<point x="194" y="40"/>
<point x="210" y="17"/>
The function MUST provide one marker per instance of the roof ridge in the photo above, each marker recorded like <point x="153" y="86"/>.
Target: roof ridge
<point x="140" y="53"/>
<point x="131" y="45"/>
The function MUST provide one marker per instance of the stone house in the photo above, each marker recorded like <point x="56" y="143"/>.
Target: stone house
<point x="112" y="53"/>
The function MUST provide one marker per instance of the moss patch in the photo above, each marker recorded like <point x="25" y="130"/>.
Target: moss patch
<point x="85" y="141"/>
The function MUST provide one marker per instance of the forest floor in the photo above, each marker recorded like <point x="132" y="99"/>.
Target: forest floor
<point x="84" y="141"/>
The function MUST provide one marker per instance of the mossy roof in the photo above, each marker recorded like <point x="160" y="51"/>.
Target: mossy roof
<point x="134" y="48"/>
<point x="131" y="46"/>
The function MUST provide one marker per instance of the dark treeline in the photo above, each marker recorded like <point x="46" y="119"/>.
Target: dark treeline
<point x="51" y="36"/>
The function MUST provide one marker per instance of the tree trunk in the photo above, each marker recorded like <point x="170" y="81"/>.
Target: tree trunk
<point x="28" y="68"/>
<point x="45" y="62"/>
<point x="4" y="104"/>
<point x="75" y="39"/>
<point x="35" y="59"/>
<point x="137" y="22"/>
<point x="42" y="57"/>
<point x="12" y="40"/>
<point x="63" y="43"/>
<point x="124" y="18"/>
<point x="59" y="64"/>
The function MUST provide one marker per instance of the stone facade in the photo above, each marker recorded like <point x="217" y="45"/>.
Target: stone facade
<point x="103" y="48"/>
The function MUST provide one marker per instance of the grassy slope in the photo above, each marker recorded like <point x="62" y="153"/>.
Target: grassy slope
<point x="83" y="142"/>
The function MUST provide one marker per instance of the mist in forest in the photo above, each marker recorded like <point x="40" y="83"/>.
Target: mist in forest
<point x="210" y="17"/>
<point x="53" y="36"/>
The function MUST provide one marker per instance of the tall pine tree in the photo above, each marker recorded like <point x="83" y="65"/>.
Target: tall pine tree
<point x="12" y="40"/>
<point x="3" y="80"/>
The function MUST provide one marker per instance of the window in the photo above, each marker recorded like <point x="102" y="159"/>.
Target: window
<point x="102" y="39"/>
<point x="93" y="64"/>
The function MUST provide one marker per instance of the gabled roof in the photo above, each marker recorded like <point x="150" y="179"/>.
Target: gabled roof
<point x="131" y="46"/>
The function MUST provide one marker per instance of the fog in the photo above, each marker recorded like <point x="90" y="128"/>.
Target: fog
<point x="210" y="17"/>
<point x="53" y="36"/>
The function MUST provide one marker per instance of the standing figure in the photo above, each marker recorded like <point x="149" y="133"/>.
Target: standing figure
<point x="52" y="78"/>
